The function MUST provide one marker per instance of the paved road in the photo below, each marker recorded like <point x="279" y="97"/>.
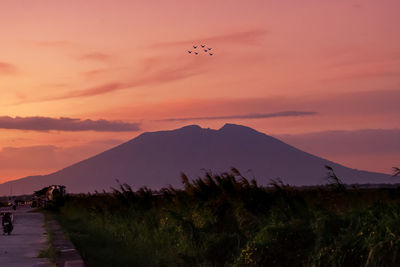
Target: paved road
<point x="20" y="249"/>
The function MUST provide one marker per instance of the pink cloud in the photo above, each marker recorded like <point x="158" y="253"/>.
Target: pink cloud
<point x="96" y="56"/>
<point x="249" y="37"/>
<point x="351" y="110"/>
<point x="154" y="72"/>
<point x="7" y="69"/>
<point x="372" y="141"/>
<point x="17" y="162"/>
<point x="57" y="43"/>
<point x="246" y="116"/>
<point x="30" y="157"/>
<point x="368" y="149"/>
<point x="96" y="90"/>
<point x="358" y="72"/>
<point x="66" y="124"/>
<point x="351" y="103"/>
<point x="94" y="73"/>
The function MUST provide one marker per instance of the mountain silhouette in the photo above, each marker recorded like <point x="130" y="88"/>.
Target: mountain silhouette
<point x="156" y="159"/>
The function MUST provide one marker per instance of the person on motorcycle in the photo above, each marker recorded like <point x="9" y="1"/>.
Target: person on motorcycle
<point x="7" y="222"/>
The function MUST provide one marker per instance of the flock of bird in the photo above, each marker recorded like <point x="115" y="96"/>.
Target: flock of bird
<point x="203" y="47"/>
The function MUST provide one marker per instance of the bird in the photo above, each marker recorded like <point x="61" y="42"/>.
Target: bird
<point x="195" y="53"/>
<point x="194" y="46"/>
<point x="211" y="54"/>
<point x="189" y="51"/>
<point x="202" y="46"/>
<point x="205" y="50"/>
<point x="209" y="48"/>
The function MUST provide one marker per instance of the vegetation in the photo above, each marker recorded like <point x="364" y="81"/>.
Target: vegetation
<point x="50" y="251"/>
<point x="396" y="171"/>
<point x="227" y="220"/>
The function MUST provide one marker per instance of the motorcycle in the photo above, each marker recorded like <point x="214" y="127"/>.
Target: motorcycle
<point x="7" y="222"/>
<point x="7" y="228"/>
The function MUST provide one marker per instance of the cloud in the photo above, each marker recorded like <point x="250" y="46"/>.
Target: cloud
<point x="354" y="62"/>
<point x="65" y="124"/>
<point x="91" y="91"/>
<point x="96" y="56"/>
<point x="360" y="103"/>
<point x="96" y="90"/>
<point x="17" y="162"/>
<point x="163" y="75"/>
<point x="247" y="116"/>
<point x="249" y="37"/>
<point x="336" y="110"/>
<point x="95" y="73"/>
<point x="29" y="157"/>
<point x="57" y="43"/>
<point x="152" y="71"/>
<point x="7" y="69"/>
<point x="368" y="149"/>
<point x="374" y="141"/>
<point x="358" y="72"/>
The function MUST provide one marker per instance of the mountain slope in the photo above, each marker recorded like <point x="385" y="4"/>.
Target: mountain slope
<point x="156" y="159"/>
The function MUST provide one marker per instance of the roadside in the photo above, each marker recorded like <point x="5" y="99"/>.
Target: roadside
<point x="22" y="247"/>
<point x="61" y="249"/>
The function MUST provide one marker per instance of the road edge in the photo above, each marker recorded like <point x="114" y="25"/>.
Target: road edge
<point x="67" y="255"/>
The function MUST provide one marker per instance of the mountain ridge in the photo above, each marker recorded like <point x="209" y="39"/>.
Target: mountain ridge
<point x="156" y="159"/>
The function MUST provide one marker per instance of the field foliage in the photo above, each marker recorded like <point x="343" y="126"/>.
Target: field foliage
<point x="227" y="220"/>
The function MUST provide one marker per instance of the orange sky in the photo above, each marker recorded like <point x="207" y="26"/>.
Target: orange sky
<point x="127" y="61"/>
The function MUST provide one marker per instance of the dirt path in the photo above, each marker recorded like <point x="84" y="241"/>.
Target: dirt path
<point x="20" y="249"/>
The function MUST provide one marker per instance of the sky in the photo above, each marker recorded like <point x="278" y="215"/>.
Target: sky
<point x="79" y="77"/>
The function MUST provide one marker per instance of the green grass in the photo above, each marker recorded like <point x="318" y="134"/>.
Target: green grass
<point x="50" y="251"/>
<point x="226" y="220"/>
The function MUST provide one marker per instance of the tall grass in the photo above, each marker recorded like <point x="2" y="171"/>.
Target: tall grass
<point x="228" y="220"/>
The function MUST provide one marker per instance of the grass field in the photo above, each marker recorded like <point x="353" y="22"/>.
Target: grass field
<point x="226" y="220"/>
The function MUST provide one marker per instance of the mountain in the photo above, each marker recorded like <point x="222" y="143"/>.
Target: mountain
<point x="156" y="159"/>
